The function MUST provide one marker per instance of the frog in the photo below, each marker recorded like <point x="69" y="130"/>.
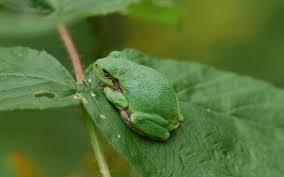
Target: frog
<point x="145" y="98"/>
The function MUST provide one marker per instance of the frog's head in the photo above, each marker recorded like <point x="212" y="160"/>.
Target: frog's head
<point x="102" y="72"/>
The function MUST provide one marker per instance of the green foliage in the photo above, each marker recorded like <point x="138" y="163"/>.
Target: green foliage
<point x="167" y="14"/>
<point x="30" y="79"/>
<point x="30" y="16"/>
<point x="233" y="125"/>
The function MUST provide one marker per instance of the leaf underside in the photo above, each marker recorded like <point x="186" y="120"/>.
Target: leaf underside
<point x="31" y="79"/>
<point x="34" y="16"/>
<point x="234" y="125"/>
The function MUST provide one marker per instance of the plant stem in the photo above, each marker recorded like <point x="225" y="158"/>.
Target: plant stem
<point x="72" y="51"/>
<point x="73" y="54"/>
<point x="96" y="147"/>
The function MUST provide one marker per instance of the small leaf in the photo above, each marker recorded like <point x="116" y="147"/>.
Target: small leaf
<point x="149" y="10"/>
<point x="30" y="79"/>
<point x="234" y="125"/>
<point x="34" y="16"/>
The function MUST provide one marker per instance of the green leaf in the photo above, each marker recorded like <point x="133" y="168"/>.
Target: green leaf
<point x="31" y="79"/>
<point x="33" y="16"/>
<point x="149" y="10"/>
<point x="234" y="125"/>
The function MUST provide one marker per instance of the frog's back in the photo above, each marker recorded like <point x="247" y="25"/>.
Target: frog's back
<point x="147" y="90"/>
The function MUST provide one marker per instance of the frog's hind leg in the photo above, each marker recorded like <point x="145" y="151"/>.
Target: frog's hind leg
<point x="151" y="125"/>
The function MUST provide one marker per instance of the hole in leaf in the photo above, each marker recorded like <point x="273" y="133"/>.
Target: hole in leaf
<point x="45" y="94"/>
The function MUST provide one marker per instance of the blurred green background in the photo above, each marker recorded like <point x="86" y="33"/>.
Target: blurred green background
<point x="242" y="36"/>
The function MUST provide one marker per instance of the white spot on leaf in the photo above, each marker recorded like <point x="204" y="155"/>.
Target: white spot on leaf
<point x="102" y="116"/>
<point x="78" y="96"/>
<point x="84" y="100"/>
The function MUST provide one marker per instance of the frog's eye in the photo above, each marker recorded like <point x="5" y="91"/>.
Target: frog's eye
<point x="105" y="73"/>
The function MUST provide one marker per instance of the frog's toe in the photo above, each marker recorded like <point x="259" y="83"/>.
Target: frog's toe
<point x="181" y="118"/>
<point x="174" y="126"/>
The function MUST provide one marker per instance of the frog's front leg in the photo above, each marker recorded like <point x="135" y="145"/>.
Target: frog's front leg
<point x="151" y="125"/>
<point x="116" y="97"/>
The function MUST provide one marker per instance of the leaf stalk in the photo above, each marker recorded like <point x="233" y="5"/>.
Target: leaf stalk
<point x="74" y="56"/>
<point x="96" y="147"/>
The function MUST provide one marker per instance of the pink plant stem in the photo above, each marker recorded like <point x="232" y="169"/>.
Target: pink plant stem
<point x="73" y="54"/>
<point x="72" y="51"/>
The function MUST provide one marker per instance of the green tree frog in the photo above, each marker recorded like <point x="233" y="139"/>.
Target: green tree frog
<point x="145" y="98"/>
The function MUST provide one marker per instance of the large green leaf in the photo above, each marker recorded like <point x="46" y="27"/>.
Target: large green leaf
<point x="30" y="16"/>
<point x="31" y="79"/>
<point x="234" y="125"/>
